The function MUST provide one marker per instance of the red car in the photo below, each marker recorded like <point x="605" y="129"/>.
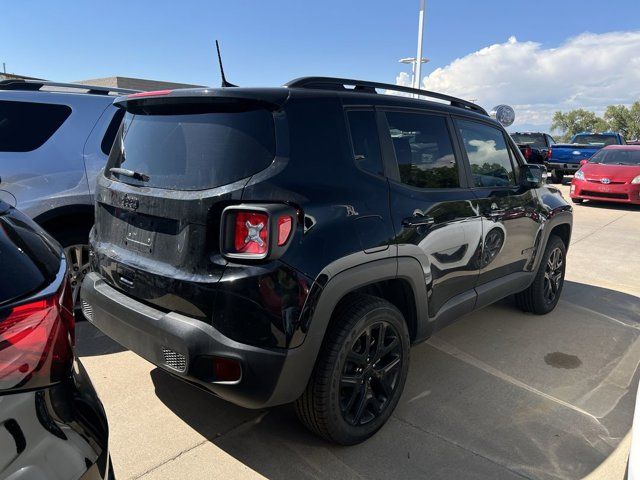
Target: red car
<point x="612" y="175"/>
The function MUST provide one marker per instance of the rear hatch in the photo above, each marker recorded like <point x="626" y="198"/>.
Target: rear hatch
<point x="177" y="161"/>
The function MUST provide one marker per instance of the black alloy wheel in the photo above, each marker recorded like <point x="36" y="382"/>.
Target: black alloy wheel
<point x="360" y="371"/>
<point x="553" y="275"/>
<point x="370" y="374"/>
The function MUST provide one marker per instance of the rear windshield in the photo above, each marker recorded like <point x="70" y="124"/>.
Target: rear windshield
<point x="535" y="140"/>
<point x="595" y="139"/>
<point x="617" y="157"/>
<point x="193" y="151"/>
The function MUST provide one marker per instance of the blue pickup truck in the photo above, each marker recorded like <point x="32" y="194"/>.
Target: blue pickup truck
<point x="565" y="157"/>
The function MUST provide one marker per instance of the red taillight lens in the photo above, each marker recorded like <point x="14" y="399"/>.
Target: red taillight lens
<point x="251" y="233"/>
<point x="527" y="153"/>
<point x="285" y="225"/>
<point x="549" y="153"/>
<point x="35" y="342"/>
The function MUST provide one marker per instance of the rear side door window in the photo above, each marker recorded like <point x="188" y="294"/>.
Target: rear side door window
<point x="488" y="154"/>
<point x="364" y="140"/>
<point x="423" y="150"/>
<point x="26" y="126"/>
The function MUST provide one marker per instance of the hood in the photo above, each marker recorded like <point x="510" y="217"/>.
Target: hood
<point x="616" y="173"/>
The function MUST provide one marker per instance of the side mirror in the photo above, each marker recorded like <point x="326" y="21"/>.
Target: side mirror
<point x="584" y="161"/>
<point x="532" y="175"/>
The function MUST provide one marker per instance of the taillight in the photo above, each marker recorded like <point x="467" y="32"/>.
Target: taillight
<point x="251" y="233"/>
<point x="256" y="231"/>
<point x="36" y="341"/>
<point x="549" y="153"/>
<point x="284" y="229"/>
<point x="527" y="153"/>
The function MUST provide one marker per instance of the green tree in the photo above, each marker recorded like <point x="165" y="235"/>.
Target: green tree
<point x="576" y="121"/>
<point x="634" y="129"/>
<point x="619" y="119"/>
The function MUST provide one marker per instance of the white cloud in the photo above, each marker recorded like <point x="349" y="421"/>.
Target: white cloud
<point x="588" y="71"/>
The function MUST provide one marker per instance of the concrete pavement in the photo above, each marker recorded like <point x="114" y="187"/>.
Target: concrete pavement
<point x="500" y="394"/>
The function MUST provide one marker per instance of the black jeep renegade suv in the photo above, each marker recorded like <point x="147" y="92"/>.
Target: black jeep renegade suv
<point x="289" y="244"/>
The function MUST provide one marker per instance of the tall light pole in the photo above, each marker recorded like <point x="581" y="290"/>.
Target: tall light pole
<point x="412" y="61"/>
<point x="418" y="64"/>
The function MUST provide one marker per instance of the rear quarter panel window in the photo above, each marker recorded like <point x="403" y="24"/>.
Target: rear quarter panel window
<point x="364" y="140"/>
<point x="26" y="126"/>
<point x="111" y="132"/>
<point x="488" y="154"/>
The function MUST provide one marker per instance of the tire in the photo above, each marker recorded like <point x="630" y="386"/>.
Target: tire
<point x="577" y="200"/>
<point x="544" y="292"/>
<point x="75" y="241"/>
<point x="348" y="399"/>
<point x="556" y="177"/>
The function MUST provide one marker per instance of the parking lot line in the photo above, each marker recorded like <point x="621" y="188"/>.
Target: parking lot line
<point x="450" y="349"/>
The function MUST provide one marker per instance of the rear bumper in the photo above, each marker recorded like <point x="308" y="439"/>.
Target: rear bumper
<point x="619" y="193"/>
<point x="565" y="168"/>
<point x="269" y="376"/>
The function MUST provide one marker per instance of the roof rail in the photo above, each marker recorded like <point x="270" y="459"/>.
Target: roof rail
<point x="34" y="85"/>
<point x="330" y="83"/>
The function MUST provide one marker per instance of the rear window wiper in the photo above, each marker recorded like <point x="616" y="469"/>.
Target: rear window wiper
<point x="130" y="173"/>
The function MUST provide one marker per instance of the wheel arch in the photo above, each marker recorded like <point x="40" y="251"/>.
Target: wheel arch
<point x="562" y="230"/>
<point x="398" y="278"/>
<point x="560" y="223"/>
<point x="56" y="219"/>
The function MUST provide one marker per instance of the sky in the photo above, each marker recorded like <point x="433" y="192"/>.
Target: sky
<point x="538" y="56"/>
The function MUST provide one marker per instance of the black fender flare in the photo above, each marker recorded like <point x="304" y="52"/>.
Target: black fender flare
<point x="301" y="360"/>
<point x="560" y="216"/>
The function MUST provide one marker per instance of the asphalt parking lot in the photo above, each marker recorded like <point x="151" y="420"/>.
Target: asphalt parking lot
<point x="500" y="394"/>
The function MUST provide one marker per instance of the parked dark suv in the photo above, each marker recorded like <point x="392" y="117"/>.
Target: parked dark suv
<point x="289" y="244"/>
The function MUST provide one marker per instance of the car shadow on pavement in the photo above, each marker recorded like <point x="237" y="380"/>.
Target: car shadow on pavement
<point x="91" y="342"/>
<point x="499" y="394"/>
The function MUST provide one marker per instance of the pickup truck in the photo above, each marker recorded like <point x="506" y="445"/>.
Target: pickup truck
<point x="565" y="157"/>
<point x="535" y="146"/>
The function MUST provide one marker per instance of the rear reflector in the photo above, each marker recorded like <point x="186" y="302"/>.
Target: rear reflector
<point x="226" y="369"/>
<point x="36" y="341"/>
<point x="213" y="369"/>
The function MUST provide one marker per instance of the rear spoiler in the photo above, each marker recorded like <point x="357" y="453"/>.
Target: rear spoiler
<point x="194" y="98"/>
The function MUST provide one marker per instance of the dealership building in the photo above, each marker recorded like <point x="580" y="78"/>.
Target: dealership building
<point x="115" y="82"/>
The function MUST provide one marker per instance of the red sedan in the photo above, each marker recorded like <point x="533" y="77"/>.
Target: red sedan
<point x="612" y="175"/>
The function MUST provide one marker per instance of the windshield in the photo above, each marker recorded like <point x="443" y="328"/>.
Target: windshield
<point x="617" y="157"/>
<point x="595" y="139"/>
<point x="535" y="140"/>
<point x="193" y="151"/>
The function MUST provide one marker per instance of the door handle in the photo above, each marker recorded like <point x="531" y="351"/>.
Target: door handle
<point x="418" y="221"/>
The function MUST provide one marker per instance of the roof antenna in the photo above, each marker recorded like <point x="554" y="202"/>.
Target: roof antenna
<point x="224" y="79"/>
